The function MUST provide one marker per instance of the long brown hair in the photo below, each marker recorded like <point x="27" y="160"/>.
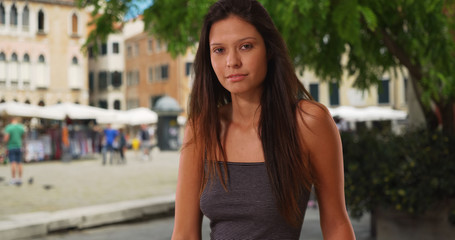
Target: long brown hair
<point x="287" y="167"/>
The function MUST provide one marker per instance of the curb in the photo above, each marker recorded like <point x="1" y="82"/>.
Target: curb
<point x="41" y="223"/>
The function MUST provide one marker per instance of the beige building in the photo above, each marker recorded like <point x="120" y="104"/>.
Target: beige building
<point x="391" y="93"/>
<point x="152" y="73"/>
<point x="40" y="52"/>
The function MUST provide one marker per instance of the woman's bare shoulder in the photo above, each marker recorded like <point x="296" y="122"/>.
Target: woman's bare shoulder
<point x="311" y="113"/>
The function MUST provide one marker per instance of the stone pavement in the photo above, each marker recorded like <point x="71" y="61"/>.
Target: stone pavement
<point x="80" y="189"/>
<point x="82" y="194"/>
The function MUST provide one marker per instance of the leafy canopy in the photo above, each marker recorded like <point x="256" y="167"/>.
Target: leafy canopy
<point x="377" y="36"/>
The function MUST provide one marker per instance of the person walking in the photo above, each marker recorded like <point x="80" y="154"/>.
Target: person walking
<point x="109" y="137"/>
<point x="14" y="135"/>
<point x="121" y="145"/>
<point x="144" y="136"/>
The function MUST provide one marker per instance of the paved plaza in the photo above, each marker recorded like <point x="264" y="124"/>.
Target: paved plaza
<point x="117" y="191"/>
<point x="61" y="185"/>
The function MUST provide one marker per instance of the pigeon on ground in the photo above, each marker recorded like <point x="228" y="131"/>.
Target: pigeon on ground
<point x="47" y="186"/>
<point x="30" y="180"/>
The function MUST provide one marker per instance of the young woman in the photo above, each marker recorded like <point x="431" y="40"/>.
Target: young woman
<point x="255" y="142"/>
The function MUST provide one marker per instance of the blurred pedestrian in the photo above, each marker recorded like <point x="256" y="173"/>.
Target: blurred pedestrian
<point x="256" y="141"/>
<point x="109" y="137"/>
<point x="144" y="137"/>
<point x="121" y="145"/>
<point x="14" y="137"/>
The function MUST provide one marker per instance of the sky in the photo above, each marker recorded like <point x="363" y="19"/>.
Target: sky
<point x="142" y="4"/>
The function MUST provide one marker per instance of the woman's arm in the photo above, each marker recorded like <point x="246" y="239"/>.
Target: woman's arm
<point x="322" y="141"/>
<point x="188" y="216"/>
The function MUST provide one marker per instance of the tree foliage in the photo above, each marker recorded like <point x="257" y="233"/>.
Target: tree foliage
<point x="377" y="36"/>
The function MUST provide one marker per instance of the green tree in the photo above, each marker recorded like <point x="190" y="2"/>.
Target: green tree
<point x="378" y="36"/>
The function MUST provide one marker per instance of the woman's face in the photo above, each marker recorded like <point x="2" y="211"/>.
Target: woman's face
<point x="238" y="55"/>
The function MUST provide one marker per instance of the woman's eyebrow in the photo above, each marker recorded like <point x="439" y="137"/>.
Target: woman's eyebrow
<point x="240" y="40"/>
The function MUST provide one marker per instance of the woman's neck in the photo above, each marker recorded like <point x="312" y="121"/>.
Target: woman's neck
<point x="245" y="111"/>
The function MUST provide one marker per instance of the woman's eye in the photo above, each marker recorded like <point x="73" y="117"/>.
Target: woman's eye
<point x="218" y="50"/>
<point x="246" y="46"/>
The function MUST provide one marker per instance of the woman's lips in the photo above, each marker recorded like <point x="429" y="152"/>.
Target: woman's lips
<point x="236" y="77"/>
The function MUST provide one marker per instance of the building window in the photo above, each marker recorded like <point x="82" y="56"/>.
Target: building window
<point x="132" y="103"/>
<point x="129" y="51"/>
<point x="74" y="61"/>
<point x="91" y="81"/>
<point x="102" y="104"/>
<point x="26" y="58"/>
<point x="150" y="74"/>
<point x="383" y="92"/>
<point x="2" y="14"/>
<point x="314" y="91"/>
<point x="2" y="69"/>
<point x="115" y="47"/>
<point x="132" y="78"/>
<point x="116" y="79"/>
<point x="150" y="45"/>
<point x="25" y="71"/>
<point x="41" y="73"/>
<point x="41" y="21"/>
<point x="136" y="49"/>
<point x="164" y="72"/>
<point x="188" y="68"/>
<point x="74" y="24"/>
<point x="102" y="81"/>
<point x="25" y="18"/>
<point x="14" y="57"/>
<point x="334" y="94"/>
<point x="103" y="49"/>
<point x="117" y="105"/>
<point x="13" y="15"/>
<point x="13" y="72"/>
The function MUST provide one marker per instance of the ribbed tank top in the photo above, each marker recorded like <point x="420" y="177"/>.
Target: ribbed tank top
<point x="248" y="209"/>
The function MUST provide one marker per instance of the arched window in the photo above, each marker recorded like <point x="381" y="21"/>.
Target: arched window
<point x="2" y="101"/>
<point x="14" y="57"/>
<point x="2" y="14"/>
<point x="41" y="21"/>
<point x="27" y="101"/>
<point x="26" y="58"/>
<point x="25" y="71"/>
<point x="41" y="103"/>
<point x="2" y="69"/>
<point x="74" y="24"/>
<point x="13" y="71"/>
<point x="25" y="18"/>
<point x="41" y="59"/>
<point x="41" y="73"/>
<point x="74" y="74"/>
<point x="13" y="15"/>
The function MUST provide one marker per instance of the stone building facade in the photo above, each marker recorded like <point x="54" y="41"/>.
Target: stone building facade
<point x="40" y="52"/>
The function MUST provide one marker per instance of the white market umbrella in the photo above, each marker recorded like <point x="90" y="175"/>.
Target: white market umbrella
<point x="133" y="117"/>
<point x="77" y="111"/>
<point x="28" y="110"/>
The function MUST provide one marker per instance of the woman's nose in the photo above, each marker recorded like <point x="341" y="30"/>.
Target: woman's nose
<point x="233" y="60"/>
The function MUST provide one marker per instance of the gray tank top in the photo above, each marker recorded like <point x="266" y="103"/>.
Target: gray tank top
<point x="248" y="210"/>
